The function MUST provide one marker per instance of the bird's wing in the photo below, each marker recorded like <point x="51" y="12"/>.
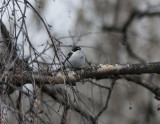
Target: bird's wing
<point x="68" y="56"/>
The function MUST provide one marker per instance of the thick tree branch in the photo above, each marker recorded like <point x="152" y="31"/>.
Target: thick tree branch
<point x="12" y="48"/>
<point x="5" y="35"/>
<point x="95" y="72"/>
<point x="7" y="39"/>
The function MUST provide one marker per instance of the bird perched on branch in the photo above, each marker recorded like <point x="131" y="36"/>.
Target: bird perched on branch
<point x="75" y="59"/>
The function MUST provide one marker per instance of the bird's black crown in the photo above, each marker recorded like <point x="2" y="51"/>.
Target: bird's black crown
<point x="76" y="48"/>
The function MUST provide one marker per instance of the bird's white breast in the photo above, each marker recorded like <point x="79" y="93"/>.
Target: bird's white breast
<point x="77" y="60"/>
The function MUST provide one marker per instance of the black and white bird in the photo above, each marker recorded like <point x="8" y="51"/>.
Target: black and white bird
<point x="75" y="59"/>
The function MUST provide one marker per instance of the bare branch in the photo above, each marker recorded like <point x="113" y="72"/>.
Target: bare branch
<point x="150" y="86"/>
<point x="69" y="105"/>
<point x="107" y="101"/>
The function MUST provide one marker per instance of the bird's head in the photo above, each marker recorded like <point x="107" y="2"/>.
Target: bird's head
<point x="76" y="48"/>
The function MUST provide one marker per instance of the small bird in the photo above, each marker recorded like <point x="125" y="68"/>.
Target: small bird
<point x="75" y="59"/>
